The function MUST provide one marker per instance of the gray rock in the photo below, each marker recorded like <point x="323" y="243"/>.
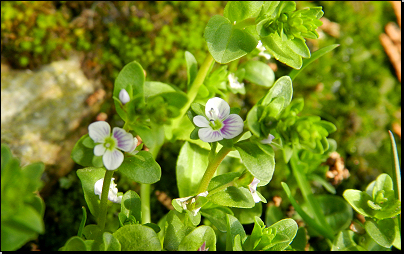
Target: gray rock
<point x="42" y="113"/>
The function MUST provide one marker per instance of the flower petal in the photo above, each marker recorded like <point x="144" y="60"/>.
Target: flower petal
<point x="200" y="121"/>
<point x="232" y="126"/>
<point x="268" y="140"/>
<point x="135" y="142"/>
<point x="98" y="131"/>
<point x="99" y="150"/>
<point x="98" y="187"/>
<point x="209" y="135"/>
<point x="112" y="159"/>
<point x="220" y="108"/>
<point x="124" y="139"/>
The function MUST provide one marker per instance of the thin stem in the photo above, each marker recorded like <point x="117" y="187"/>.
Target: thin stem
<point x="102" y="215"/>
<point x="145" y="204"/>
<point x="211" y="169"/>
<point x="193" y="91"/>
<point x="308" y="195"/>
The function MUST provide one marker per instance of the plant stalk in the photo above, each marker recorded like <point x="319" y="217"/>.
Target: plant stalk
<point x="102" y="215"/>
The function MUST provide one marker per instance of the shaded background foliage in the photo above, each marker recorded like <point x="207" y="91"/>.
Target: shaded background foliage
<point x="353" y="86"/>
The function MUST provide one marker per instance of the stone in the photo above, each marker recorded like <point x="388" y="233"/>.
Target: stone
<point x="42" y="114"/>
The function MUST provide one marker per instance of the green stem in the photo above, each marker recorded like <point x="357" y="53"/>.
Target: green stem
<point x="193" y="91"/>
<point x="308" y="195"/>
<point x="245" y="23"/>
<point x="102" y="215"/>
<point x="145" y="202"/>
<point x="211" y="169"/>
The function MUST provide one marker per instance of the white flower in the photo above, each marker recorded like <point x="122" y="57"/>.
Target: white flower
<point x="261" y="48"/>
<point x="253" y="190"/>
<point x="184" y="202"/>
<point x="268" y="140"/>
<point x="233" y="81"/>
<point x="124" y="96"/>
<point x="108" y="144"/>
<point x="113" y="191"/>
<point x="218" y="122"/>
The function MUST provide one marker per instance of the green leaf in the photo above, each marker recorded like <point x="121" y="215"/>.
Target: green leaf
<point x="34" y="173"/>
<point x="253" y="120"/>
<point x="172" y="96"/>
<point x="345" y="242"/>
<point x="234" y="228"/>
<point x="215" y="214"/>
<point x="131" y="78"/>
<point x="383" y="182"/>
<point x="240" y="10"/>
<point x="381" y="231"/>
<point x="258" y="162"/>
<point x="88" y="177"/>
<point x="281" y="51"/>
<point x="141" y="168"/>
<point x="300" y="241"/>
<point x="315" y="55"/>
<point x="359" y="201"/>
<point x="110" y="243"/>
<point x="195" y="239"/>
<point x="338" y="213"/>
<point x="233" y="197"/>
<point x="299" y="46"/>
<point x="192" y="68"/>
<point x="282" y="88"/>
<point x="246" y="215"/>
<point x="75" y="243"/>
<point x="226" y="43"/>
<point x="286" y="230"/>
<point x="191" y="165"/>
<point x="137" y="237"/>
<point x="175" y="230"/>
<point x="222" y="179"/>
<point x="81" y="154"/>
<point x="258" y="73"/>
<point x="130" y="205"/>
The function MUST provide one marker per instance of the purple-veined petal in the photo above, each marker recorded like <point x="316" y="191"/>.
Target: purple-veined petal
<point x="253" y="190"/>
<point x="99" y="150"/>
<point x="209" y="135"/>
<point x="200" y="121"/>
<point x="232" y="126"/>
<point x="268" y="140"/>
<point x="112" y="159"/>
<point x="217" y="108"/>
<point x="98" y="131"/>
<point x="123" y="138"/>
<point x="135" y="142"/>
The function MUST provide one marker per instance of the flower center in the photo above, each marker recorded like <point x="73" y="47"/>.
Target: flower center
<point x="216" y="124"/>
<point x="110" y="143"/>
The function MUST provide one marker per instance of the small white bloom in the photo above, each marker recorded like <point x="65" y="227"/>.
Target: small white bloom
<point x="113" y="191"/>
<point x="124" y="96"/>
<point x="268" y="140"/>
<point x="233" y="81"/>
<point x="253" y="190"/>
<point x="261" y="48"/>
<point x="184" y="202"/>
<point x="218" y="123"/>
<point x="108" y="144"/>
<point x="135" y="142"/>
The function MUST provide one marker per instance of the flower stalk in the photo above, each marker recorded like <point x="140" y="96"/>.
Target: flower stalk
<point x="102" y="215"/>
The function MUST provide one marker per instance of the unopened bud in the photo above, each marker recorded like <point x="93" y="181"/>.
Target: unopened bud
<point x="124" y="96"/>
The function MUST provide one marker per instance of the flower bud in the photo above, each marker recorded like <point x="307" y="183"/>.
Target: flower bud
<point x="124" y="96"/>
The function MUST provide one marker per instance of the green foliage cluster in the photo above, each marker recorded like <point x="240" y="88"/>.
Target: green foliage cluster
<point x="355" y="88"/>
<point x="21" y="209"/>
